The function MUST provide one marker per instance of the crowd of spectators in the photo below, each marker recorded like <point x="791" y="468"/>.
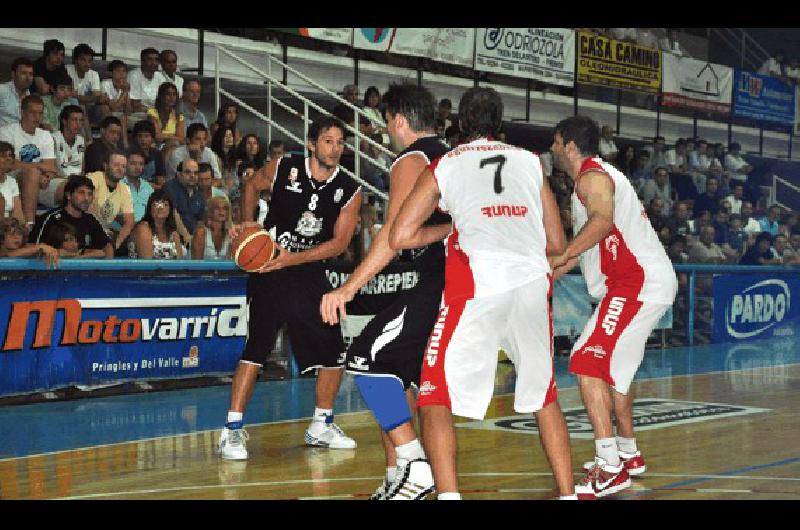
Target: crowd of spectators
<point x="781" y="67"/>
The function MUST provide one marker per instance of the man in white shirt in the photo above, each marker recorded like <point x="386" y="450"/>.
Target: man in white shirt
<point x="144" y="83"/>
<point x="195" y="148"/>
<point x="86" y="82"/>
<point x="647" y="38"/>
<point x="702" y="166"/>
<point x="626" y="34"/>
<point x="36" y="159"/>
<point x="117" y="90"/>
<point x="793" y="71"/>
<point x="70" y="148"/>
<point x="749" y="224"/>
<point x="735" y="199"/>
<point x="773" y="65"/>
<point x="735" y="164"/>
<point x="12" y="92"/>
<point x="608" y="149"/>
<point x="169" y="67"/>
<point x="676" y="157"/>
<point x="671" y="45"/>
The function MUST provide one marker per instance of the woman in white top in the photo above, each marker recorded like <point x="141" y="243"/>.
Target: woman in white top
<point x="10" y="205"/>
<point x="156" y="235"/>
<point x="210" y="239"/>
<point x="371" y="110"/>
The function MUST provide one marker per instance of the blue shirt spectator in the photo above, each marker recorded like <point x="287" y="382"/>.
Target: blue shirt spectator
<point x="11" y="93"/>
<point x="770" y="222"/>
<point x="140" y="188"/>
<point x="187" y="197"/>
<point x="189" y="102"/>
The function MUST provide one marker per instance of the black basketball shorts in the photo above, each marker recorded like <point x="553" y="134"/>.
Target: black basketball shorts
<point x="292" y="296"/>
<point x="394" y="341"/>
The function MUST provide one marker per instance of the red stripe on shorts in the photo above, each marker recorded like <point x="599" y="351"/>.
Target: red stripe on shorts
<point x="552" y="391"/>
<point x="433" y="382"/>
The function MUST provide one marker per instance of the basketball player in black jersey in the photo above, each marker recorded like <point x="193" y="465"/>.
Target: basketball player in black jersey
<point x="313" y="211"/>
<point x="387" y="355"/>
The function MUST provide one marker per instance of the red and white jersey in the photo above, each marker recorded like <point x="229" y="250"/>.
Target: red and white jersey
<point x="492" y="192"/>
<point x="631" y="258"/>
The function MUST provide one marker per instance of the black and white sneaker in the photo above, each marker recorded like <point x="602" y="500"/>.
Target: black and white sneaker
<point x="382" y="491"/>
<point x="414" y="482"/>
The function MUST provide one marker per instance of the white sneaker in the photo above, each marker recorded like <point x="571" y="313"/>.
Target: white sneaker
<point x="414" y="482"/>
<point x="330" y="435"/>
<point x="232" y="444"/>
<point x="382" y="491"/>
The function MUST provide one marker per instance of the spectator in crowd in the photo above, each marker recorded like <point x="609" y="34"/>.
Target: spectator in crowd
<point x="85" y="80"/>
<point x="735" y="164"/>
<point x="445" y="119"/>
<point x="658" y="154"/>
<point x="676" y="157"/>
<point x="211" y="240"/>
<point x="224" y="146"/>
<point x="792" y="71"/>
<point x="9" y="190"/>
<point x="144" y="135"/>
<point x="677" y="250"/>
<point x="701" y="220"/>
<point x="750" y="224"/>
<point x="205" y="183"/>
<point x="794" y="249"/>
<point x="169" y="68"/>
<point x="144" y="82"/>
<point x="49" y="67"/>
<point x="189" y="103"/>
<point x="679" y="222"/>
<point x="710" y="199"/>
<point x="735" y="198"/>
<point x="36" y="158"/>
<point x="250" y="152"/>
<point x="117" y="89"/>
<point x="653" y="211"/>
<point x="91" y="238"/>
<point x="97" y="153"/>
<point x="647" y="38"/>
<point x="642" y="170"/>
<point x="769" y="223"/>
<point x="112" y="201"/>
<point x="195" y="148"/>
<point x="736" y="236"/>
<point x="13" y="92"/>
<point x="276" y="149"/>
<point x="136" y="182"/>
<point x="671" y="44"/>
<point x="371" y="172"/>
<point x="13" y="243"/>
<point x="55" y="102"/>
<point x="228" y="115"/>
<point x="773" y="65"/>
<point x="452" y="136"/>
<point x="658" y="186"/>
<point x="760" y="253"/>
<point x="371" y="108"/>
<point x="705" y="250"/>
<point x="188" y="201"/>
<point x="156" y="235"/>
<point x="70" y="148"/>
<point x="167" y="121"/>
<point x="782" y="251"/>
<point x="702" y="166"/>
<point x="608" y="149"/>
<point x="64" y="238"/>
<point x="626" y="160"/>
<point x="623" y="34"/>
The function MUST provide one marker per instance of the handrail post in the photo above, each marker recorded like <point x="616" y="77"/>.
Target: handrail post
<point x="357" y="143"/>
<point x="690" y="304"/>
<point x="305" y="129"/>
<point x="269" y="99"/>
<point x="216" y="80"/>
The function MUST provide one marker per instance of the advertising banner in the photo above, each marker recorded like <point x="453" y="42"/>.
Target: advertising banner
<point x="617" y="64"/>
<point x="337" y="35"/>
<point x="755" y="306"/>
<point x="543" y="54"/>
<point x="763" y="97"/>
<point x="696" y="84"/>
<point x="449" y="45"/>
<point x="63" y="330"/>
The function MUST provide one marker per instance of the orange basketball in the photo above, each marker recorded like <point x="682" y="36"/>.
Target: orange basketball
<point x="254" y="248"/>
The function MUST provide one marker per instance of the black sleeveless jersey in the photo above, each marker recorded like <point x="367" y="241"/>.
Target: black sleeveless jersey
<point x="431" y="257"/>
<point x="302" y="210"/>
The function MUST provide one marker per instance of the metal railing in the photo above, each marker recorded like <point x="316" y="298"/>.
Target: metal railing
<point x="273" y="83"/>
<point x="773" y="191"/>
<point x="751" y="54"/>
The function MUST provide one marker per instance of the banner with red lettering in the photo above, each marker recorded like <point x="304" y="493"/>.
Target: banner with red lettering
<point x="698" y="85"/>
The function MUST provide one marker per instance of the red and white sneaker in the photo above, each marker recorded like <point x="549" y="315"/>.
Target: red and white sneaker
<point x="633" y="462"/>
<point x="601" y="480"/>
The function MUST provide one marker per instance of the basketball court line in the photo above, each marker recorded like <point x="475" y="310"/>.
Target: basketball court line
<point x="366" y="411"/>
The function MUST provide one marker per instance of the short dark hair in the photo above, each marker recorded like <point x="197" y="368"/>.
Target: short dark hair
<point x="76" y="181"/>
<point x="136" y="150"/>
<point x="21" y="61"/>
<point x="321" y="124"/>
<point x="480" y="112"/>
<point x="28" y="100"/>
<point x="147" y="51"/>
<point x="734" y="145"/>
<point x="6" y="147"/>
<point x="581" y="130"/>
<point x="116" y="63"/>
<point x="446" y="101"/>
<point x="452" y="130"/>
<point x="110" y="120"/>
<point x="734" y="217"/>
<point x="701" y="141"/>
<point x="681" y="141"/>
<point x="275" y="143"/>
<point x="205" y="167"/>
<point x="368" y="92"/>
<point x="62" y="79"/>
<point x="144" y="126"/>
<point x="114" y="151"/>
<point x="65" y="114"/>
<point x="192" y="80"/>
<point x="192" y="129"/>
<point x="164" y="53"/>
<point x="81" y="49"/>
<point x="414" y="102"/>
<point x="643" y="152"/>
<point x="180" y="164"/>
<point x="53" y="45"/>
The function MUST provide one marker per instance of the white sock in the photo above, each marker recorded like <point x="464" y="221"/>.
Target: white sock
<point x="235" y="416"/>
<point x="449" y="496"/>
<point x="410" y="451"/>
<point x="391" y="473"/>
<point x="321" y="414"/>
<point x="606" y="448"/>
<point x="626" y="445"/>
<point x="573" y="497"/>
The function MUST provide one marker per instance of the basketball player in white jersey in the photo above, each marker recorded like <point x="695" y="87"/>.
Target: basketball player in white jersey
<point x="626" y="267"/>
<point x="497" y="284"/>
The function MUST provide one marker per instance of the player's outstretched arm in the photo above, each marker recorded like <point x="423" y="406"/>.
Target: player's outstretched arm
<point x="407" y="230"/>
<point x="597" y="191"/>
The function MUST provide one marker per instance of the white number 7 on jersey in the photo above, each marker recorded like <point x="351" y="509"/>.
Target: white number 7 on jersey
<point x="500" y="160"/>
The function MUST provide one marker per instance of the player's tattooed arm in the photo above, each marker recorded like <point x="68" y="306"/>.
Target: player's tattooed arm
<point x="407" y="230"/>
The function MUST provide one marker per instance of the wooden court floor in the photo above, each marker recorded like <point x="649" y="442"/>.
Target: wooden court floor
<point x="725" y="435"/>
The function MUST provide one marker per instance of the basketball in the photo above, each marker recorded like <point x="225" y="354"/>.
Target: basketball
<point x="254" y="248"/>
